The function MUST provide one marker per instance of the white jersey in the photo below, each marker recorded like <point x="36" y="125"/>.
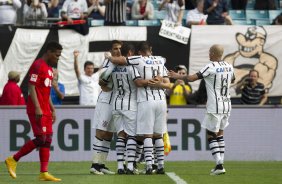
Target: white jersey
<point x="106" y="97"/>
<point x="218" y="77"/>
<point x="125" y="96"/>
<point x="149" y="67"/>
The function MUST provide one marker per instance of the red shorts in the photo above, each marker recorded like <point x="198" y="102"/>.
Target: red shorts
<point x="42" y="125"/>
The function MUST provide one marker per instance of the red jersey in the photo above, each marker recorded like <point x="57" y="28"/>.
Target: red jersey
<point x="12" y="94"/>
<point x="41" y="76"/>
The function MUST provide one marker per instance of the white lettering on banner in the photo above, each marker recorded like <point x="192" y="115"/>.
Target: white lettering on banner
<point x="177" y="33"/>
<point x="73" y="134"/>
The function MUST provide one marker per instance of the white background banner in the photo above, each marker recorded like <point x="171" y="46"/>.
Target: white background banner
<point x="245" y="47"/>
<point x="253" y="134"/>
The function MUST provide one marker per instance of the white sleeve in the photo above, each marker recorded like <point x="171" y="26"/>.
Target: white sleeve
<point x="207" y="70"/>
<point x="134" y="60"/>
<point x="135" y="73"/>
<point x="65" y="6"/>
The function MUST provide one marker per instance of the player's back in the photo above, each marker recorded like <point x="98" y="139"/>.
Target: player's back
<point x="218" y="87"/>
<point x="149" y="67"/>
<point x="125" y="95"/>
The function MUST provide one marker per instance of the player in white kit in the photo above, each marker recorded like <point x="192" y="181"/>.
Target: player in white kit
<point x="102" y="120"/>
<point x="151" y="99"/>
<point x="126" y="79"/>
<point x="218" y="76"/>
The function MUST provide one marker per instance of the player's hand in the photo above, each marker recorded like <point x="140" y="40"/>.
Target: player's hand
<point x="154" y="83"/>
<point x="102" y="83"/>
<point x="107" y="55"/>
<point x="75" y="53"/>
<point x="38" y="113"/>
<point x="70" y="21"/>
<point x="180" y="82"/>
<point x="172" y="74"/>
<point x="54" y="117"/>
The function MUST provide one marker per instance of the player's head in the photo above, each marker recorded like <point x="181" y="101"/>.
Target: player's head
<point x="253" y="76"/>
<point x="88" y="68"/>
<point x="127" y="50"/>
<point x="116" y="46"/>
<point x="53" y="53"/>
<point x="14" y="76"/>
<point x="216" y="52"/>
<point x="144" y="49"/>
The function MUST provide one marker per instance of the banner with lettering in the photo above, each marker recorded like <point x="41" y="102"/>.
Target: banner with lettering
<point x="177" y="33"/>
<point x="246" y="48"/>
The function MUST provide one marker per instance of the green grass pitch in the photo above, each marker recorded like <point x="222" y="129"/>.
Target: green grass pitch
<point x="192" y="172"/>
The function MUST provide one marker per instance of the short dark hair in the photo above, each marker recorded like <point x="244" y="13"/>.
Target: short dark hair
<point x="53" y="46"/>
<point x="126" y="47"/>
<point x="144" y="46"/>
<point x="117" y="42"/>
<point x="253" y="70"/>
<point x="88" y="63"/>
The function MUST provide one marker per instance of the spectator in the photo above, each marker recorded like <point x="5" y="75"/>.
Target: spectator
<point x="217" y="11"/>
<point x="115" y="12"/>
<point x="12" y="93"/>
<point x="265" y="5"/>
<point x="277" y="20"/>
<point x="57" y="90"/>
<point x="180" y="90"/>
<point x="196" y="16"/>
<point x="96" y="10"/>
<point x="253" y="92"/>
<point x="53" y="7"/>
<point x="88" y="82"/>
<point x="142" y="10"/>
<point x="175" y="10"/>
<point x="239" y="4"/>
<point x="34" y="12"/>
<point x="8" y="11"/>
<point x="76" y="10"/>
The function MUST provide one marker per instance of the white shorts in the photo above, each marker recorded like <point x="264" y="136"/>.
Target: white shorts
<point x="103" y="117"/>
<point x="125" y="121"/>
<point x="151" y="117"/>
<point x="215" y="122"/>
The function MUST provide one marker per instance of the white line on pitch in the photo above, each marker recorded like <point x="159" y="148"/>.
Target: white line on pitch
<point x="176" y="178"/>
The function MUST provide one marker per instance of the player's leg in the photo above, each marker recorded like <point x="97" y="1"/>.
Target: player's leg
<point x="120" y="150"/>
<point x="145" y="127"/>
<point x="159" y="129"/>
<point x="211" y="123"/>
<point x="11" y="162"/>
<point x="102" y="139"/>
<point x="44" y="149"/>
<point x="130" y="130"/>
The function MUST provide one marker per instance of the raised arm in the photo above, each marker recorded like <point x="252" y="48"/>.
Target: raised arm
<point x="76" y="68"/>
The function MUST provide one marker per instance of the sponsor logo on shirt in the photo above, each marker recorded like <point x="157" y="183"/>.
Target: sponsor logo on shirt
<point x="44" y="129"/>
<point x="33" y="77"/>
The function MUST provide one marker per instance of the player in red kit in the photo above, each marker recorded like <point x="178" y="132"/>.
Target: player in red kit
<point x="41" y="112"/>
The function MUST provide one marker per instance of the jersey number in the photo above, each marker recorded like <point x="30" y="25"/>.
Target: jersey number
<point x="120" y="86"/>
<point x="224" y="87"/>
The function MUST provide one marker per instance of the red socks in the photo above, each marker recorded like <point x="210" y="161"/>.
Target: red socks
<point x="44" y="154"/>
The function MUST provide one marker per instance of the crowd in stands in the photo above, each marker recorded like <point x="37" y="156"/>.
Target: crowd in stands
<point x="117" y="12"/>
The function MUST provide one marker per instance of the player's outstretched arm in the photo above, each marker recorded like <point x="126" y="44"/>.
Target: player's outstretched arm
<point x="118" y="60"/>
<point x="52" y="110"/>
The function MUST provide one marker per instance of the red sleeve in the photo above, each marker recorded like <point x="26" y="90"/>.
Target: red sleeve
<point x="34" y="72"/>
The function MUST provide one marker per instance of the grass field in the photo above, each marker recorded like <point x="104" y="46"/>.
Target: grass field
<point x="191" y="172"/>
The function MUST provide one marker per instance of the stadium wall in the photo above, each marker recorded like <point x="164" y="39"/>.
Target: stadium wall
<point x="253" y="134"/>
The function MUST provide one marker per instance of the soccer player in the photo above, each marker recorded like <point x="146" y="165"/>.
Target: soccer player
<point x="102" y="119"/>
<point x="151" y="102"/>
<point x="126" y="79"/>
<point x="41" y="112"/>
<point x="218" y="76"/>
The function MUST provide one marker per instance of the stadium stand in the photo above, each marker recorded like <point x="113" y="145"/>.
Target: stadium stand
<point x="131" y="23"/>
<point x="149" y="23"/>
<point x="237" y="14"/>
